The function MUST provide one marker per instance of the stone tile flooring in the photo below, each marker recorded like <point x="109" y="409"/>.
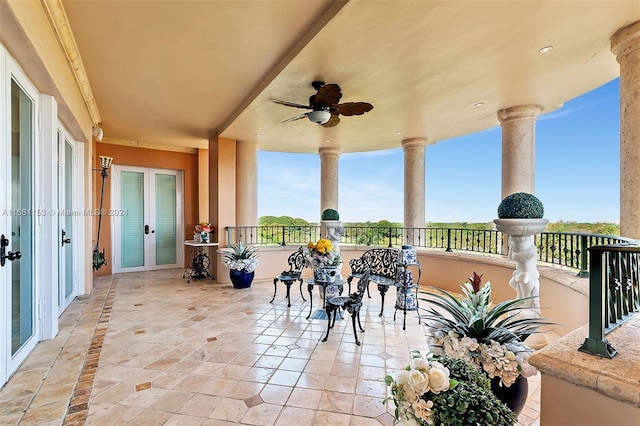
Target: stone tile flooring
<point x="150" y="349"/>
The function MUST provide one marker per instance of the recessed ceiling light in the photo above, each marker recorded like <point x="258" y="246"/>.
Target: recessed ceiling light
<point x="545" y="49"/>
<point x="478" y="104"/>
<point x="258" y="135"/>
<point x="327" y="140"/>
<point x="399" y="132"/>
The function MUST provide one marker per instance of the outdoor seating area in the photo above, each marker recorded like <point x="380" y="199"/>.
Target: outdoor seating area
<point x="150" y="348"/>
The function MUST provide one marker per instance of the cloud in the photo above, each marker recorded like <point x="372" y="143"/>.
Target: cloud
<point x="564" y="112"/>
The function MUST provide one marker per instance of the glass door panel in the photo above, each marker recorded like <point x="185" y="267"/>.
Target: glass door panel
<point x="165" y="218"/>
<point x="132" y="229"/>
<point x="21" y="237"/>
<point x="66" y="218"/>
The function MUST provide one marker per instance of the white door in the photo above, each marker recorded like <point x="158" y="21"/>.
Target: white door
<point x="147" y="218"/>
<point x="67" y="222"/>
<point x="18" y="106"/>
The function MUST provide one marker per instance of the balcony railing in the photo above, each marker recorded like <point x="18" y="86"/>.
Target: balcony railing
<point x="614" y="293"/>
<point x="566" y="249"/>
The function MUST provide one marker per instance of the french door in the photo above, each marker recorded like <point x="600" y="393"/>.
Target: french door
<point x="67" y="222"/>
<point x="147" y="218"/>
<point x="19" y="328"/>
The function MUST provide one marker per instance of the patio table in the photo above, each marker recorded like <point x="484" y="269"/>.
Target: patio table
<point x="312" y="282"/>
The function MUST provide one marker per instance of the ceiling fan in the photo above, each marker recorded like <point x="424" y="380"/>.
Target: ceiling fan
<point x="324" y="106"/>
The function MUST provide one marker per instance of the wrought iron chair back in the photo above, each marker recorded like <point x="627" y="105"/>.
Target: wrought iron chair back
<point x="351" y="303"/>
<point x="296" y="265"/>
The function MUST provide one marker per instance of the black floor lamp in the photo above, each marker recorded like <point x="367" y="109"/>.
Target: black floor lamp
<point x="98" y="256"/>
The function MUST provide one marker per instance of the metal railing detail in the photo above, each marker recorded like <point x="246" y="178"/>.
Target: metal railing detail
<point x="272" y="235"/>
<point x="560" y="248"/>
<point x="572" y="249"/>
<point x="614" y="294"/>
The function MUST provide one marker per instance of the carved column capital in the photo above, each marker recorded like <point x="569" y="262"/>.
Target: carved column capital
<point x="626" y="40"/>
<point x="328" y="150"/>
<point x="519" y="112"/>
<point x="414" y="143"/>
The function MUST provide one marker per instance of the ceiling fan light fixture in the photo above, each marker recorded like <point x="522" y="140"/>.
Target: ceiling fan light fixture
<point x="319" y="117"/>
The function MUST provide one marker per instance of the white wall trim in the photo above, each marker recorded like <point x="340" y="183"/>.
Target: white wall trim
<point x="47" y="223"/>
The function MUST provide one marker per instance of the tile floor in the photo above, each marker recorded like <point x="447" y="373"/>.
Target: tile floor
<point x="150" y="349"/>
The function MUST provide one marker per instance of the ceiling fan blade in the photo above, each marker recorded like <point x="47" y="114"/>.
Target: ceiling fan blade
<point x="296" y="117"/>
<point x="333" y="121"/>
<point x="354" y="108"/>
<point x="291" y="104"/>
<point x="329" y="94"/>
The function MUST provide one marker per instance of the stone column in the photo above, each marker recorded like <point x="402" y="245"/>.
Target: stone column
<point x="414" y="187"/>
<point x="518" y="148"/>
<point x="246" y="183"/>
<point x="328" y="178"/>
<point x="203" y="184"/>
<point x="625" y="44"/>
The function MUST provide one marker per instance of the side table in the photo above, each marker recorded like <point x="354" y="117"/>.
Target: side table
<point x="199" y="262"/>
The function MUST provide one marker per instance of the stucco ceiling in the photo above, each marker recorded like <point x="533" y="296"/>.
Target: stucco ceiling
<point x="178" y="72"/>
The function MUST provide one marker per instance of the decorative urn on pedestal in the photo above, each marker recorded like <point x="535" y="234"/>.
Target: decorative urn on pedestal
<point x="333" y="230"/>
<point x="520" y="217"/>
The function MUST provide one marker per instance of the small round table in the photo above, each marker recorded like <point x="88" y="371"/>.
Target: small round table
<point x="311" y="282"/>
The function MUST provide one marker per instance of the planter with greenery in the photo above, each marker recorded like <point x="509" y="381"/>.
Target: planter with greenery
<point x="443" y="390"/>
<point x="242" y="261"/>
<point x="521" y="214"/>
<point x="487" y="335"/>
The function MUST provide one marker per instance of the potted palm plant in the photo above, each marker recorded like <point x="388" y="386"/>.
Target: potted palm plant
<point x="242" y="261"/>
<point x="487" y="335"/>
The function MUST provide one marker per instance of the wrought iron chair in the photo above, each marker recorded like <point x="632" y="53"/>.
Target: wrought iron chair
<point x="296" y="264"/>
<point x="351" y="303"/>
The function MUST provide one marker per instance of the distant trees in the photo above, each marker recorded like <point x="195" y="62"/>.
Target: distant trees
<point x="276" y="229"/>
<point x="282" y="221"/>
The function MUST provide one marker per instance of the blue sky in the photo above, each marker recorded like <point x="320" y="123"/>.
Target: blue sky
<point x="577" y="172"/>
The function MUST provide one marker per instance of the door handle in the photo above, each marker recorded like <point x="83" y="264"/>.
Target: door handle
<point x="65" y="240"/>
<point x="146" y="229"/>
<point x="4" y="243"/>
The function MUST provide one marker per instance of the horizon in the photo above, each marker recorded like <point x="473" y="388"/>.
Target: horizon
<point x="577" y="161"/>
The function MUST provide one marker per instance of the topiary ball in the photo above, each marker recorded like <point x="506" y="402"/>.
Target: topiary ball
<point x="330" y="214"/>
<point x="520" y="205"/>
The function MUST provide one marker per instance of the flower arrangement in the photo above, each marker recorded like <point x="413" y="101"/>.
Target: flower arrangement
<point x="240" y="257"/>
<point x="204" y="227"/>
<point x="491" y="337"/>
<point x="321" y="254"/>
<point x="202" y="232"/>
<point x="443" y="390"/>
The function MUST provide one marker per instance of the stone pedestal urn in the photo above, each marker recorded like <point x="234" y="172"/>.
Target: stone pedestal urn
<point x="525" y="279"/>
<point x="334" y="232"/>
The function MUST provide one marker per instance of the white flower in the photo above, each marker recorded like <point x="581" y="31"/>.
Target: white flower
<point x="438" y="378"/>
<point x="418" y="382"/>
<point x="470" y="343"/>
<point x="420" y="364"/>
<point x="403" y="377"/>
<point x="422" y="410"/>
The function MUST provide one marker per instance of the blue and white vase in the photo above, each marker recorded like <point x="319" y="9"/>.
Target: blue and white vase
<point x="408" y="255"/>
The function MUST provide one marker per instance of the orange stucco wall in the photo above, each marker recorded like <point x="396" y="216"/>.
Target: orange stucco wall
<point x="139" y="157"/>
